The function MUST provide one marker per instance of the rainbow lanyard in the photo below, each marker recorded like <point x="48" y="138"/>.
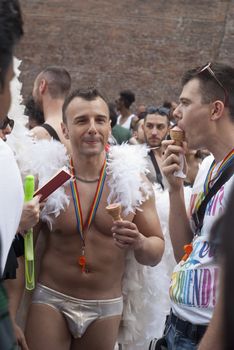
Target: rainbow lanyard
<point x="209" y="181"/>
<point x="81" y="227"/>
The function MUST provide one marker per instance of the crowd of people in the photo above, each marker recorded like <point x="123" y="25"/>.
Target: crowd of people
<point x="157" y="272"/>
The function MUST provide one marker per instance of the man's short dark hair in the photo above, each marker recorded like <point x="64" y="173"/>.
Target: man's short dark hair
<point x="210" y="89"/>
<point x="88" y="94"/>
<point x="113" y="114"/>
<point x="58" y="79"/>
<point x="128" y="97"/>
<point x="11" y="29"/>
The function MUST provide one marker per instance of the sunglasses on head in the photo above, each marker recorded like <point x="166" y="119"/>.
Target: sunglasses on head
<point x="7" y="121"/>
<point x="158" y="110"/>
<point x="207" y="68"/>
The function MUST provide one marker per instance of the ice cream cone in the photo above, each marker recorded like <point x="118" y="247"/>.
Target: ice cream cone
<point x="114" y="210"/>
<point x="177" y="135"/>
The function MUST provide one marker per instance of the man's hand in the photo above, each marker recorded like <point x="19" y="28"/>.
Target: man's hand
<point x="30" y="214"/>
<point x="126" y="235"/>
<point x="171" y="163"/>
<point x="20" y="338"/>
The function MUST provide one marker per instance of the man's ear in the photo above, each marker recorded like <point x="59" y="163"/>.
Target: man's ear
<point x="217" y="110"/>
<point x="65" y="130"/>
<point x="110" y="129"/>
<point x="42" y="86"/>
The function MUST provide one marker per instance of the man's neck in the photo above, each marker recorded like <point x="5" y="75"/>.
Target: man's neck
<point x="88" y="167"/>
<point x="125" y="113"/>
<point x="52" y="110"/>
<point x="222" y="144"/>
<point x="157" y="152"/>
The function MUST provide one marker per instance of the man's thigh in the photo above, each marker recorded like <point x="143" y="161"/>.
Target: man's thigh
<point x="46" y="329"/>
<point x="101" y="335"/>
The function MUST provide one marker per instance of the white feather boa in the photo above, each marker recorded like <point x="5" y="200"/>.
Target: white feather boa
<point x="145" y="289"/>
<point x="126" y="166"/>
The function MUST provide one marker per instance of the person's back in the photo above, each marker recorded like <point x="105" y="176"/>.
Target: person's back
<point x="123" y="103"/>
<point x="119" y="133"/>
<point x="50" y="89"/>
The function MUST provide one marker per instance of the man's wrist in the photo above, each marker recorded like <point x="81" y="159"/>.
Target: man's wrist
<point x="139" y="245"/>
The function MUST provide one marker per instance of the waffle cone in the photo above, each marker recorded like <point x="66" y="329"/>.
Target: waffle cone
<point x="114" y="210"/>
<point x="177" y="136"/>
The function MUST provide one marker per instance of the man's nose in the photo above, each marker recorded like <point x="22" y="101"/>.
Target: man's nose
<point x="154" y="130"/>
<point x="177" y="113"/>
<point x="92" y="127"/>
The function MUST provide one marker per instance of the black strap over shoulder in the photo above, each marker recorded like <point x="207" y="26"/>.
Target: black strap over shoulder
<point x="51" y="131"/>
<point x="198" y="216"/>
<point x="156" y="168"/>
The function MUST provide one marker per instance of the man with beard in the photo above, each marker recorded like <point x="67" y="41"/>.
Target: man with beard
<point x="49" y="91"/>
<point x="155" y="127"/>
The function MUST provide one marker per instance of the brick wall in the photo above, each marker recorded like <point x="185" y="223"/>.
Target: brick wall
<point x="143" y="45"/>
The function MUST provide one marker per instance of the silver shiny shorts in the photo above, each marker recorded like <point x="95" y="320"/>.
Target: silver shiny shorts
<point x="78" y="313"/>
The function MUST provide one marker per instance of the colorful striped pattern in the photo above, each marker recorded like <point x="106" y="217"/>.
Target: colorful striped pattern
<point x="81" y="227"/>
<point x="225" y="164"/>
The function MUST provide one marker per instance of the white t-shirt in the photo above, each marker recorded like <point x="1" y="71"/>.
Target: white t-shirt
<point x="11" y="199"/>
<point x="127" y="123"/>
<point x="193" y="289"/>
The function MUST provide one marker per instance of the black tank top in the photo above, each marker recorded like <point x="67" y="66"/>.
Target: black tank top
<point x="51" y="131"/>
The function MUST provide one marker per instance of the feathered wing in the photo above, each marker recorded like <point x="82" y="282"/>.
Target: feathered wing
<point x="126" y="165"/>
<point x="143" y="312"/>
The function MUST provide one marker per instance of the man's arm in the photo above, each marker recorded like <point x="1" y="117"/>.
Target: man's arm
<point x="180" y="231"/>
<point x="143" y="235"/>
<point x="15" y="288"/>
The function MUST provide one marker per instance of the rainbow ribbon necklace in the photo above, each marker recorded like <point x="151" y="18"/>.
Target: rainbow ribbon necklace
<point x="81" y="227"/>
<point x="227" y="161"/>
<point x="209" y="181"/>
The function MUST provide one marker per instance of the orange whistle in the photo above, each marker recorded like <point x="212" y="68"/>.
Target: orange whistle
<point x="188" y="250"/>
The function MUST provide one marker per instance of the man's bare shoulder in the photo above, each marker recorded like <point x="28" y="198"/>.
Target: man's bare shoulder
<point x="40" y="133"/>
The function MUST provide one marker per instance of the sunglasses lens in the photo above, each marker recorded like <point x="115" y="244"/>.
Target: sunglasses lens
<point x="6" y="122"/>
<point x="11" y="123"/>
<point x="160" y="110"/>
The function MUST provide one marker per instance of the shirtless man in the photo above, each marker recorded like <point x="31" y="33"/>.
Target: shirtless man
<point x="49" y="91"/>
<point x="79" y="306"/>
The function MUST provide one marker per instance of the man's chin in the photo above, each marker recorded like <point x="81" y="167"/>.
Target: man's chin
<point x="152" y="145"/>
<point x="93" y="152"/>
